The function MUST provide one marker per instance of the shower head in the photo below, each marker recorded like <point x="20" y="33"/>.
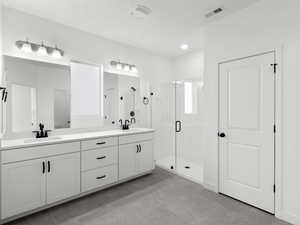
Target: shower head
<point x="133" y="88"/>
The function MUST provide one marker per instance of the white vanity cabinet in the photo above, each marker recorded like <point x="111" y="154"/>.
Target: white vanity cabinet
<point x="31" y="183"/>
<point x="38" y="176"/>
<point x="63" y="177"/>
<point x="23" y="187"/>
<point x="135" y="155"/>
<point x="99" y="163"/>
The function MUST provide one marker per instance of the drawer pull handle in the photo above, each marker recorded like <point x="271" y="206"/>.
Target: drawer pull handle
<point x="99" y="178"/>
<point x="102" y="157"/>
<point x="101" y="143"/>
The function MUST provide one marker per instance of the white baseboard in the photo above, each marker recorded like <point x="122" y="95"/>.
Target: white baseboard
<point x="290" y="218"/>
<point x="210" y="187"/>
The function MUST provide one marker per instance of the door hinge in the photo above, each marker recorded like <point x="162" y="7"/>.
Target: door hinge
<point x="275" y="67"/>
<point x="274" y="188"/>
<point x="274" y="128"/>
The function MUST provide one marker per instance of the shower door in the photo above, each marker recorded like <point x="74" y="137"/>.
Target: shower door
<point x="189" y="129"/>
<point x="180" y="136"/>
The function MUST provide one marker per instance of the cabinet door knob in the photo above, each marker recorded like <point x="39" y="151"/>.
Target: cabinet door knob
<point x="44" y="167"/>
<point x="101" y="143"/>
<point x="137" y="149"/>
<point x="222" y="135"/>
<point x="140" y="148"/>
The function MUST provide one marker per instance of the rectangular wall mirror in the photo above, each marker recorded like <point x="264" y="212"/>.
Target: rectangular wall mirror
<point x="38" y="93"/>
<point x="61" y="97"/>
<point x="121" y="98"/>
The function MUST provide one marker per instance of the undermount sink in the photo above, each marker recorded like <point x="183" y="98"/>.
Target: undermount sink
<point x="35" y="140"/>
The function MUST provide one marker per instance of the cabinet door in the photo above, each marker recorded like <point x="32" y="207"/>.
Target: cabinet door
<point x="23" y="187"/>
<point x="127" y="160"/>
<point x="63" y="177"/>
<point x="144" y="158"/>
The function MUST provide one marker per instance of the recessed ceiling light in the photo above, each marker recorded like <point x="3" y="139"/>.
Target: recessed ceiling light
<point x="184" y="46"/>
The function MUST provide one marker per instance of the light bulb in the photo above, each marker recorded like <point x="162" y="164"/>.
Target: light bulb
<point x="133" y="69"/>
<point x="42" y="50"/>
<point x="56" y="53"/>
<point x="126" y="68"/>
<point x="26" y="47"/>
<point x="119" y="66"/>
<point x="184" y="46"/>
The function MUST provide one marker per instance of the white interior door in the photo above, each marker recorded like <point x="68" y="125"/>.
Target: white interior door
<point x="246" y="128"/>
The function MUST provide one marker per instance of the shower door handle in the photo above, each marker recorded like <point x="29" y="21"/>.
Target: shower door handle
<point x="178" y="126"/>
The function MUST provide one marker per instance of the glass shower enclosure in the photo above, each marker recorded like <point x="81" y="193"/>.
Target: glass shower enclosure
<point x="183" y="130"/>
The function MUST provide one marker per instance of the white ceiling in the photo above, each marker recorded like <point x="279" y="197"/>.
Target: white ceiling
<point x="171" y="23"/>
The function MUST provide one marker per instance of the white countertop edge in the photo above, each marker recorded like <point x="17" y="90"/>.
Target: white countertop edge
<point x="19" y="143"/>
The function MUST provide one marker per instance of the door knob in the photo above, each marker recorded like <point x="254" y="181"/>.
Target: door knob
<point x="222" y="135"/>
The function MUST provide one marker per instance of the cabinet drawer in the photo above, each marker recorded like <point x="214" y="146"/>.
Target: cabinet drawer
<point x="135" y="138"/>
<point x="21" y="154"/>
<point x="99" y="177"/>
<point x="97" y="158"/>
<point x="99" y="143"/>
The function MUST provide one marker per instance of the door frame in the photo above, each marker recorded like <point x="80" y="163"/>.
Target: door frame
<point x="278" y="145"/>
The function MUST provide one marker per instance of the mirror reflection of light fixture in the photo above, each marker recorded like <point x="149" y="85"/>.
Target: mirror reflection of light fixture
<point x="126" y="68"/>
<point x="133" y="69"/>
<point x="119" y="66"/>
<point x="123" y="66"/>
<point x="40" y="49"/>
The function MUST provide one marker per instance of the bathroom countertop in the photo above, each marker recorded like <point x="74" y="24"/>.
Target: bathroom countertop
<point x="31" y="142"/>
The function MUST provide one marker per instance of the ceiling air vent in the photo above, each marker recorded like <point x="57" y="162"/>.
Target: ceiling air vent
<point x="141" y="11"/>
<point x="214" y="12"/>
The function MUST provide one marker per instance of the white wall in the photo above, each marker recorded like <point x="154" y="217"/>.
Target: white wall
<point x="265" y="25"/>
<point x="78" y="45"/>
<point x="1" y="73"/>
<point x="189" y="66"/>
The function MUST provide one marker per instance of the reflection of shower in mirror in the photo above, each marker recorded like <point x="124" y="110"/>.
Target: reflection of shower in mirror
<point x="132" y="112"/>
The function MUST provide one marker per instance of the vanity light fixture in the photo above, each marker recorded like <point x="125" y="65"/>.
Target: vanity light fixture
<point x="133" y="69"/>
<point x="123" y="66"/>
<point x="119" y="66"/>
<point x="56" y="53"/>
<point x="26" y="47"/>
<point x="40" y="49"/>
<point x="126" y="68"/>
